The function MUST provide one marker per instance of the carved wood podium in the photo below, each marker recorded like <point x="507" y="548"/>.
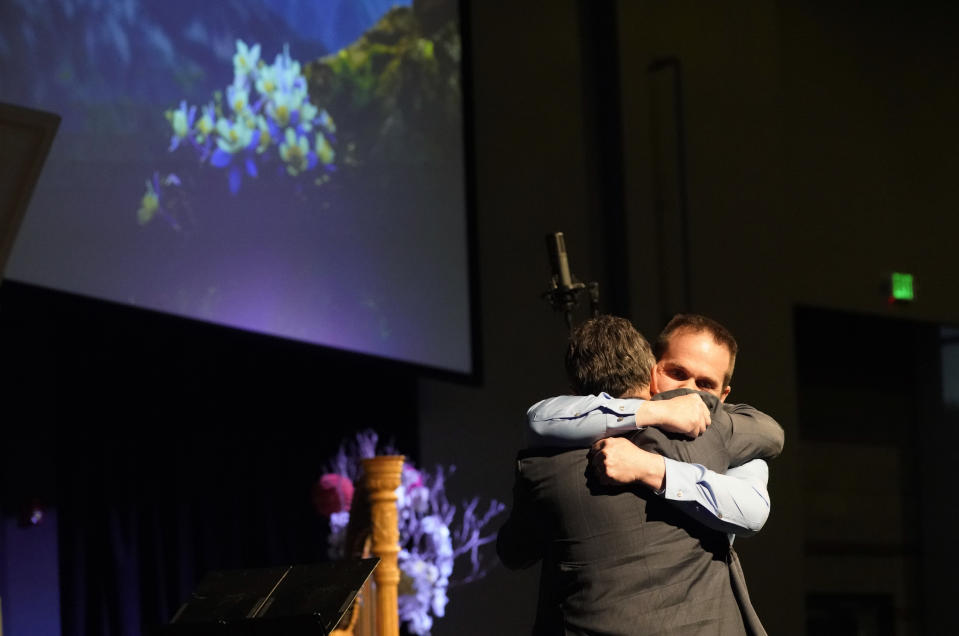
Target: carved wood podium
<point x="318" y="599"/>
<point x="374" y="531"/>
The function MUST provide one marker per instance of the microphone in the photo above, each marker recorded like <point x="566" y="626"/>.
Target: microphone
<point x="563" y="288"/>
<point x="556" y="247"/>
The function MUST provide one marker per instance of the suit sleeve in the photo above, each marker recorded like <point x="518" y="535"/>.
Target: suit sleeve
<point x="738" y="433"/>
<point x="754" y="435"/>
<point x="709" y="449"/>
<point x="518" y="542"/>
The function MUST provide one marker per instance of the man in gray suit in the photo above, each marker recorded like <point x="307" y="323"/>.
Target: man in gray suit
<point x="618" y="559"/>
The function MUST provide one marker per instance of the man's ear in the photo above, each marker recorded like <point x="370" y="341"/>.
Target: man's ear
<point x="722" y="396"/>
<point x="653" y="389"/>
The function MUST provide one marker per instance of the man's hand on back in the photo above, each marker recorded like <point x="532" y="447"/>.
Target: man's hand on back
<point x="617" y="460"/>
<point x="687" y="414"/>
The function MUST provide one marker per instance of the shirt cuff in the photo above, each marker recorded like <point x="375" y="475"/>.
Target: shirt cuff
<point x="616" y="424"/>
<point x="681" y="480"/>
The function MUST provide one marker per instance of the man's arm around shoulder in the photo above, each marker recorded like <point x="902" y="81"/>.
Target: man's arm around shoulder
<point x="754" y="435"/>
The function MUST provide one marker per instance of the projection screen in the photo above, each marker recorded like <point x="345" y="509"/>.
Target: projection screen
<point x="289" y="167"/>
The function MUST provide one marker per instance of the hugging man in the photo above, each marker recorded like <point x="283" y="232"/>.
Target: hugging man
<point x="623" y="559"/>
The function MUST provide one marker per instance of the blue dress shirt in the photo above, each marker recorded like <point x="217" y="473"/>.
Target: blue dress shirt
<point x="736" y="502"/>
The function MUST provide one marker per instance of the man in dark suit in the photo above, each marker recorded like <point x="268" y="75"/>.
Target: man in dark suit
<point x="618" y="559"/>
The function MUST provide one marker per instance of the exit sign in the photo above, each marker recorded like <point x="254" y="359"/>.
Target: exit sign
<point x="901" y="288"/>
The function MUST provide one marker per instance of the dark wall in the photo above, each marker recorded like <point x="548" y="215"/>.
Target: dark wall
<point x="818" y="144"/>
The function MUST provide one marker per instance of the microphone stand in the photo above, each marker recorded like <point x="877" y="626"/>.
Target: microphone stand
<point x="564" y="290"/>
<point x="566" y="299"/>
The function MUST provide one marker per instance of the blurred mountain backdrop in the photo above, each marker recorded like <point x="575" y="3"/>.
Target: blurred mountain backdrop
<point x="100" y="63"/>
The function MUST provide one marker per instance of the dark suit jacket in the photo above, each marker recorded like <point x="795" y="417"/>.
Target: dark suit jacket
<point x="620" y="560"/>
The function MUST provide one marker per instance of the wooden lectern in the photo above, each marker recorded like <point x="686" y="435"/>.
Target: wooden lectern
<point x="374" y="532"/>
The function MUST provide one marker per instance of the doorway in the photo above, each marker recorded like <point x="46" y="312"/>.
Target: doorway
<point x="878" y="403"/>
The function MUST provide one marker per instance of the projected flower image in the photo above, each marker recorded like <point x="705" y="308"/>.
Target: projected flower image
<point x="435" y="535"/>
<point x="294" y="168"/>
<point x="151" y="205"/>
<point x="265" y="122"/>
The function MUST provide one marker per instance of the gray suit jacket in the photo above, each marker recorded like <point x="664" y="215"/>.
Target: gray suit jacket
<point x="620" y="560"/>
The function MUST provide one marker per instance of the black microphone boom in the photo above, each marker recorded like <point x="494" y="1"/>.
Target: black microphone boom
<point x="556" y="248"/>
<point x="564" y="289"/>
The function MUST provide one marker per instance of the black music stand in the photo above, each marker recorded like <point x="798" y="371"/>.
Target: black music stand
<point x="26" y="136"/>
<point x="295" y="600"/>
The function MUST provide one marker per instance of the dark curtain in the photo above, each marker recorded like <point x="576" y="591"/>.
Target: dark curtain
<point x="179" y="448"/>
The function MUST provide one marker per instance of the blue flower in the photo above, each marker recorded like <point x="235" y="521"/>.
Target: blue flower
<point x="150" y="203"/>
<point x="324" y="150"/>
<point x="296" y="153"/>
<point x="182" y="122"/>
<point x="207" y="123"/>
<point x="245" y="60"/>
<point x="262" y="136"/>
<point x="266" y="82"/>
<point x="284" y="107"/>
<point x="287" y="71"/>
<point x="238" y="97"/>
<point x="234" y="137"/>
<point x="326" y="121"/>
<point x="235" y="134"/>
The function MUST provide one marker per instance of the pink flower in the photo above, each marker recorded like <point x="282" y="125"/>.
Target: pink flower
<point x="332" y="493"/>
<point x="412" y="478"/>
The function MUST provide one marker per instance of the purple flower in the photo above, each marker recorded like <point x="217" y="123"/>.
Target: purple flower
<point x="432" y="535"/>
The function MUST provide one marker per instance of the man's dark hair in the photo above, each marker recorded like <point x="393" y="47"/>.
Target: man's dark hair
<point x="606" y="353"/>
<point x="697" y="323"/>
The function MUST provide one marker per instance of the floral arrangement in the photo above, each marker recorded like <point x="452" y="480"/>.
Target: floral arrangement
<point x="435" y="535"/>
<point x="266" y="118"/>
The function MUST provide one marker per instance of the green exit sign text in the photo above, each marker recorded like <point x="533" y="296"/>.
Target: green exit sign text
<point x="901" y="288"/>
